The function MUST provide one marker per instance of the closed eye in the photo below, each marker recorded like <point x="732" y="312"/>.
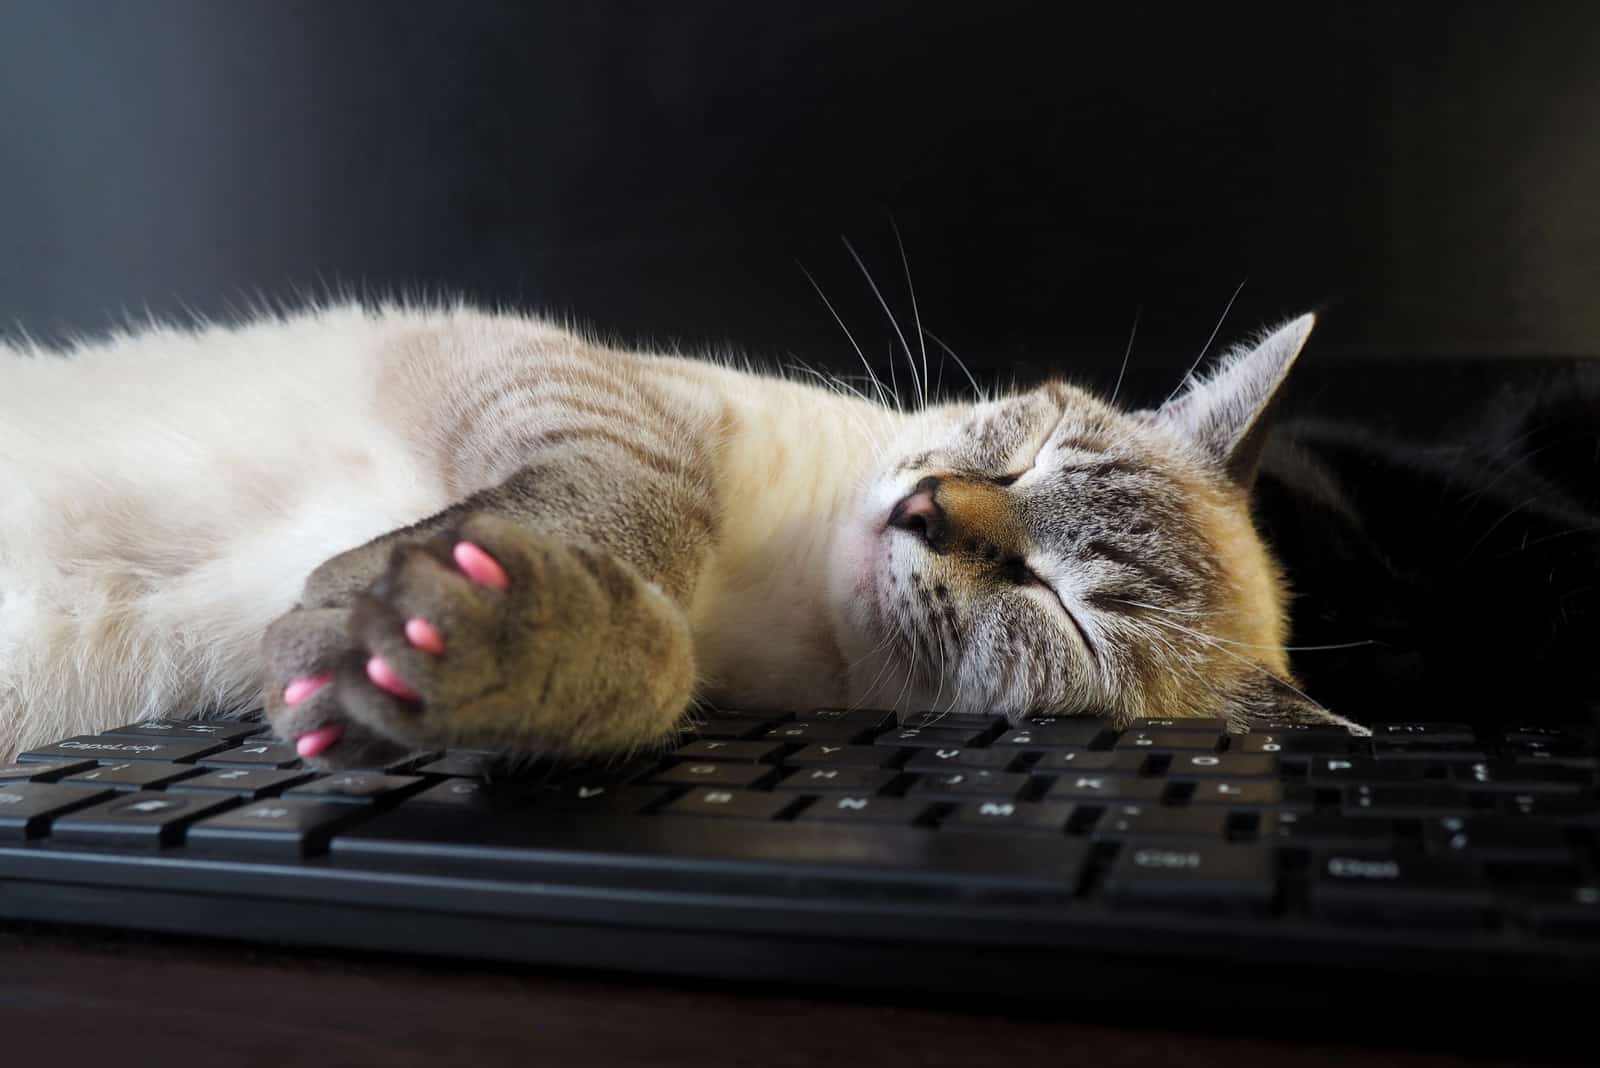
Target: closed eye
<point x="1016" y="571"/>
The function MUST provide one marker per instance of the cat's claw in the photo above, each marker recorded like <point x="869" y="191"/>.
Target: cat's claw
<point x="385" y="678"/>
<point x="424" y="635"/>
<point x="479" y="566"/>
<point x="314" y="743"/>
<point x="300" y="689"/>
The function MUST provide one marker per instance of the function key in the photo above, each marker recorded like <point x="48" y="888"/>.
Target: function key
<point x="1434" y="733"/>
<point x="357" y="787"/>
<point x="254" y="755"/>
<point x="1204" y="726"/>
<point x="710" y="773"/>
<point x="937" y="737"/>
<point x="139" y="820"/>
<point x="282" y="826"/>
<point x="840" y="780"/>
<point x="252" y="783"/>
<point x="729" y="804"/>
<point x="42" y="770"/>
<point x="1210" y="876"/>
<point x="1106" y="788"/>
<point x="939" y="758"/>
<point x="222" y="730"/>
<point x="734" y="751"/>
<point x="1168" y="741"/>
<point x="1011" y="815"/>
<point x="134" y="776"/>
<point x="105" y="747"/>
<point x="840" y="755"/>
<point x="860" y="808"/>
<point x="1222" y="766"/>
<point x="26" y="808"/>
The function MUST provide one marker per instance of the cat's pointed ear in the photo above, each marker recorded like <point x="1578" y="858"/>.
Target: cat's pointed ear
<point x="1225" y="412"/>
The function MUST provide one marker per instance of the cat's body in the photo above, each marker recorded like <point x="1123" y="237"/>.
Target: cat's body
<point x="670" y="531"/>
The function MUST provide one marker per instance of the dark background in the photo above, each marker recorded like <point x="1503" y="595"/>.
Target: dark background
<point x="1425" y="174"/>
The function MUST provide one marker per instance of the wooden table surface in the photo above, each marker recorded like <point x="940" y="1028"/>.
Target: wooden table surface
<point x="125" y="999"/>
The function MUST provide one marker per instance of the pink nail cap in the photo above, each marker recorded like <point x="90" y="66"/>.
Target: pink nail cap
<point x="312" y="743"/>
<point x="299" y="689"/>
<point x="385" y="678"/>
<point x="423" y="635"/>
<point x="480" y="567"/>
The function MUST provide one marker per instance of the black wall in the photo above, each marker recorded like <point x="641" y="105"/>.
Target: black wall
<point x="1424" y="173"/>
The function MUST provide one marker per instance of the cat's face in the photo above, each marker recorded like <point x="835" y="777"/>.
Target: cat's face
<point x="1047" y="552"/>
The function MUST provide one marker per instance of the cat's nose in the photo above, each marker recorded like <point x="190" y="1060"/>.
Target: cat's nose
<point x="920" y="513"/>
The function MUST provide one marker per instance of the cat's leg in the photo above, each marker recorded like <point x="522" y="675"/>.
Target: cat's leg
<point x="498" y="624"/>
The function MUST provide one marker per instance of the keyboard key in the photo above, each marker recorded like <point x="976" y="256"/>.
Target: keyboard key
<point x="1168" y="741"/>
<point x="934" y="737"/>
<point x="1083" y="761"/>
<point x="1399" y="886"/>
<point x="111" y="748"/>
<point x="1497" y="839"/>
<point x="1065" y="734"/>
<point x="967" y="720"/>
<point x="723" y="749"/>
<point x="1502" y="778"/>
<point x="938" y="758"/>
<point x="1439" y="754"/>
<point x="1244" y="793"/>
<point x="282" y="826"/>
<point x="144" y="820"/>
<point x="134" y="776"/>
<point x="1567" y="811"/>
<point x="457" y="790"/>
<point x="1010" y="815"/>
<point x="1212" y="876"/>
<point x="221" y="730"/>
<point x="836" y="755"/>
<point x="461" y="763"/>
<point x="522" y="845"/>
<point x="1565" y="911"/>
<point x="1400" y="801"/>
<point x="728" y="728"/>
<point x="597" y="799"/>
<point x="1435" y="733"/>
<point x="961" y="783"/>
<point x="1222" y="766"/>
<point x="729" y="804"/>
<point x="358" y="787"/>
<point x="816" y="731"/>
<point x="1135" y="821"/>
<point x="1106" y="788"/>
<point x="43" y="770"/>
<point x="860" y="808"/>
<point x="837" y="780"/>
<point x="254" y="755"/>
<point x="1338" y="771"/>
<point x="1203" y="726"/>
<point x="867" y="717"/>
<point x="26" y="808"/>
<point x="1296" y="743"/>
<point x="708" y="773"/>
<point x="1328" y="830"/>
<point x="252" y="783"/>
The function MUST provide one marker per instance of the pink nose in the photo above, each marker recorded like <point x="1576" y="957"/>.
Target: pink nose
<point x="920" y="514"/>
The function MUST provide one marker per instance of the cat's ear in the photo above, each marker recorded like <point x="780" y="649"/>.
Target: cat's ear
<point x="1262" y="701"/>
<point x="1225" y="412"/>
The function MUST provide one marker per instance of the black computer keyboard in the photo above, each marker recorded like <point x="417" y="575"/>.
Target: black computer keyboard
<point x="954" y="853"/>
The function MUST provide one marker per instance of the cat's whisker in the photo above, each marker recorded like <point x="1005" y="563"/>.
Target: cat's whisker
<point x="1207" y="346"/>
<point x="916" y="316"/>
<point x="876" y="381"/>
<point x="1127" y="353"/>
<point x="1215" y="638"/>
<point x="976" y="389"/>
<point x="917" y="386"/>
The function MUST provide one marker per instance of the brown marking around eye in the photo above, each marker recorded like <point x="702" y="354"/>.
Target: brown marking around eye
<point x="1159" y="576"/>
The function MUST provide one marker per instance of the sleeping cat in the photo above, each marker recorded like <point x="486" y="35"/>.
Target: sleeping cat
<point x="406" y="529"/>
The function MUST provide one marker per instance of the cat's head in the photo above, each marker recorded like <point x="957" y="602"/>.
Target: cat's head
<point x="1050" y="553"/>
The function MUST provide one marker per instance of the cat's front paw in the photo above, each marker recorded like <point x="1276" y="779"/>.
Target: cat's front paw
<point x="416" y="657"/>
